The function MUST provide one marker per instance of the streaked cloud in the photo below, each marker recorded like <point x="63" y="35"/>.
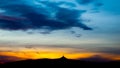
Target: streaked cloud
<point x="48" y="15"/>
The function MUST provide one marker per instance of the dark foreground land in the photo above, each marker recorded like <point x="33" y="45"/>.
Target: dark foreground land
<point x="39" y="63"/>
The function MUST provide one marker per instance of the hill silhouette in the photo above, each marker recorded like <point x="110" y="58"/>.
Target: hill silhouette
<point x="96" y="58"/>
<point x="60" y="62"/>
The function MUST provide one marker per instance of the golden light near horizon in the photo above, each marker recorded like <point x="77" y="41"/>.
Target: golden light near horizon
<point x="55" y="55"/>
<point x="52" y="53"/>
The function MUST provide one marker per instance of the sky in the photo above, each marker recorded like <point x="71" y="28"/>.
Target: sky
<point x="53" y="28"/>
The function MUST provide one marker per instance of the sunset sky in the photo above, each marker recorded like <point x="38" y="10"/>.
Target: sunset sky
<point x="33" y="29"/>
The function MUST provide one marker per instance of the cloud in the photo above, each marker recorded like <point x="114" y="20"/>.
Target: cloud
<point x="96" y="58"/>
<point x="107" y="50"/>
<point x="36" y="15"/>
<point x="84" y="1"/>
<point x="96" y="48"/>
<point x="111" y="50"/>
<point x="4" y="59"/>
<point x="96" y="4"/>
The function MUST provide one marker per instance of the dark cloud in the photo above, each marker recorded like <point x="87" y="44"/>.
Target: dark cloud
<point x="98" y="4"/>
<point x="4" y="59"/>
<point x="32" y="17"/>
<point x="108" y="50"/>
<point x="96" y="58"/>
<point x="111" y="50"/>
<point x="84" y="1"/>
<point x="95" y="3"/>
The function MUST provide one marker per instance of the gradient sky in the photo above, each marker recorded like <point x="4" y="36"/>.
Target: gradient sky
<point x="71" y="27"/>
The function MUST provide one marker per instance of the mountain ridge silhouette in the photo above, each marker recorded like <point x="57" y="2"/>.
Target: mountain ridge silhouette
<point x="59" y="62"/>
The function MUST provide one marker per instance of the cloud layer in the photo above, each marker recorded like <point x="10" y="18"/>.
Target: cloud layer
<point x="42" y="14"/>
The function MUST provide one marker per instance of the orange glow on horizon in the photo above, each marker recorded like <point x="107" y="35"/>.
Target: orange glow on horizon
<point x="40" y="53"/>
<point x="55" y="55"/>
<point x="50" y="55"/>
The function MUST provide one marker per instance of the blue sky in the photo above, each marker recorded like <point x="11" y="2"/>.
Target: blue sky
<point x="89" y="24"/>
